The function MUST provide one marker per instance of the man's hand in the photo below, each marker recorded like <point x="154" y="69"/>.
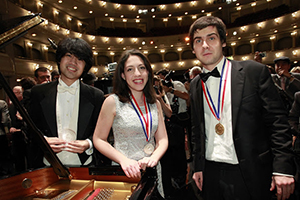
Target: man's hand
<point x="198" y="178"/>
<point x="285" y="186"/>
<point x="13" y="130"/>
<point x="77" y="146"/>
<point x="56" y="144"/>
<point x="285" y="73"/>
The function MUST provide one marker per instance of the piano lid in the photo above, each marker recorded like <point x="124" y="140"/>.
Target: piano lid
<point x="11" y="32"/>
<point x="12" y="29"/>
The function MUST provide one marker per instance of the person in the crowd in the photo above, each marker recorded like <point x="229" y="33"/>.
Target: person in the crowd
<point x="6" y="166"/>
<point x="42" y="75"/>
<point x="27" y="83"/>
<point x="135" y="117"/>
<point x="241" y="135"/>
<point x="17" y="120"/>
<point x="161" y="97"/>
<point x="54" y="75"/>
<point x="287" y="83"/>
<point x="174" y="162"/>
<point x="19" y="139"/>
<point x="66" y="111"/>
<point x="89" y="78"/>
<point x="5" y="121"/>
<point x="294" y="117"/>
<point x="193" y="72"/>
<point x="295" y="69"/>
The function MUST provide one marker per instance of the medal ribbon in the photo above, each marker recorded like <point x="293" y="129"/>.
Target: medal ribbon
<point x="217" y="113"/>
<point x="146" y="123"/>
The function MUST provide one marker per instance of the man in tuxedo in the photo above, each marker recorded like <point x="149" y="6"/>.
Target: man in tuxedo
<point x="66" y="110"/>
<point x="241" y="135"/>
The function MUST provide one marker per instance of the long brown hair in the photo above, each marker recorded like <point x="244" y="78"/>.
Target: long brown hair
<point x="120" y="86"/>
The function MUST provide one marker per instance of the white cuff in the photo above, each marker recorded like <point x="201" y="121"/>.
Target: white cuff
<point x="90" y="150"/>
<point x="280" y="174"/>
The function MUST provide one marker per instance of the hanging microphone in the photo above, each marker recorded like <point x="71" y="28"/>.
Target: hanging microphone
<point x="52" y="43"/>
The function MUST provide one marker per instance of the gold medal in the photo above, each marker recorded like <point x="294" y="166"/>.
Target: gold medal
<point x="219" y="128"/>
<point x="149" y="148"/>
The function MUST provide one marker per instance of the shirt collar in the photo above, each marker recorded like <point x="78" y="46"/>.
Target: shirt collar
<point x="219" y="66"/>
<point x="74" y="85"/>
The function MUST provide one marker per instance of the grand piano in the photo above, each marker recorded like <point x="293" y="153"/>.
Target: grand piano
<point x="58" y="181"/>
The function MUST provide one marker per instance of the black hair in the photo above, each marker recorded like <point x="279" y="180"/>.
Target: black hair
<point x="79" y="48"/>
<point x="40" y="69"/>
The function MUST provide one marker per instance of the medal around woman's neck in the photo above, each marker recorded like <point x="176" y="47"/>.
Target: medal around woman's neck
<point x="145" y="122"/>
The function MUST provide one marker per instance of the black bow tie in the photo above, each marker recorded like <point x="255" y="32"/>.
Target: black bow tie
<point x="205" y="76"/>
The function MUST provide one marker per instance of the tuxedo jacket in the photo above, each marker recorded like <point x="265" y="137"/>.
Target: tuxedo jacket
<point x="42" y="110"/>
<point x="261" y="133"/>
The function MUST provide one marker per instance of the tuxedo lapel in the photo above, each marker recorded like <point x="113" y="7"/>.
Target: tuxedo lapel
<point x="199" y="104"/>
<point x="48" y="105"/>
<point x="85" y="110"/>
<point x="237" y="85"/>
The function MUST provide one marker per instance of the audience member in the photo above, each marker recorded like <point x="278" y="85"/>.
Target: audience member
<point x="136" y="118"/>
<point x="193" y="72"/>
<point x="19" y="139"/>
<point x="174" y="162"/>
<point x="54" y="75"/>
<point x="89" y="78"/>
<point x="242" y="139"/>
<point x="66" y="110"/>
<point x="162" y="97"/>
<point x="5" y="157"/>
<point x="16" y="118"/>
<point x="295" y="69"/>
<point x="5" y="118"/>
<point x="27" y="83"/>
<point x="42" y="75"/>
<point x="287" y="83"/>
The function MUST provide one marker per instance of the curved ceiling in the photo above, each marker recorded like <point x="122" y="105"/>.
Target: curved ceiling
<point x="147" y="2"/>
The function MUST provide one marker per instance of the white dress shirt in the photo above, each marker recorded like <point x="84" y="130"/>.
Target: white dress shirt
<point x="219" y="148"/>
<point x="67" y="109"/>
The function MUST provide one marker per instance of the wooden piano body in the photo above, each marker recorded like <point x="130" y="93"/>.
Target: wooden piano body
<point x="45" y="184"/>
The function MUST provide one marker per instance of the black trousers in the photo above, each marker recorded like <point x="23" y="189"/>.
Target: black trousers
<point x="222" y="181"/>
<point x="174" y="163"/>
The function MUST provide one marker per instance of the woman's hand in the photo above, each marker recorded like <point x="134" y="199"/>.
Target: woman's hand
<point x="147" y="162"/>
<point x="131" y="168"/>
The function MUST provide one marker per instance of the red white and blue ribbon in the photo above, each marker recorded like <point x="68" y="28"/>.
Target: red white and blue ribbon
<point x="217" y="112"/>
<point x="146" y="122"/>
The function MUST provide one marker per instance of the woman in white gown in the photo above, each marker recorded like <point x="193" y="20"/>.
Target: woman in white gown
<point x="135" y="116"/>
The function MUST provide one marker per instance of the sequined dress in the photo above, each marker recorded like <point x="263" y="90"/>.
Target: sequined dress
<point x="129" y="137"/>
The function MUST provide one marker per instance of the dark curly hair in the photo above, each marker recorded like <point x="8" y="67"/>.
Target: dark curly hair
<point x="120" y="86"/>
